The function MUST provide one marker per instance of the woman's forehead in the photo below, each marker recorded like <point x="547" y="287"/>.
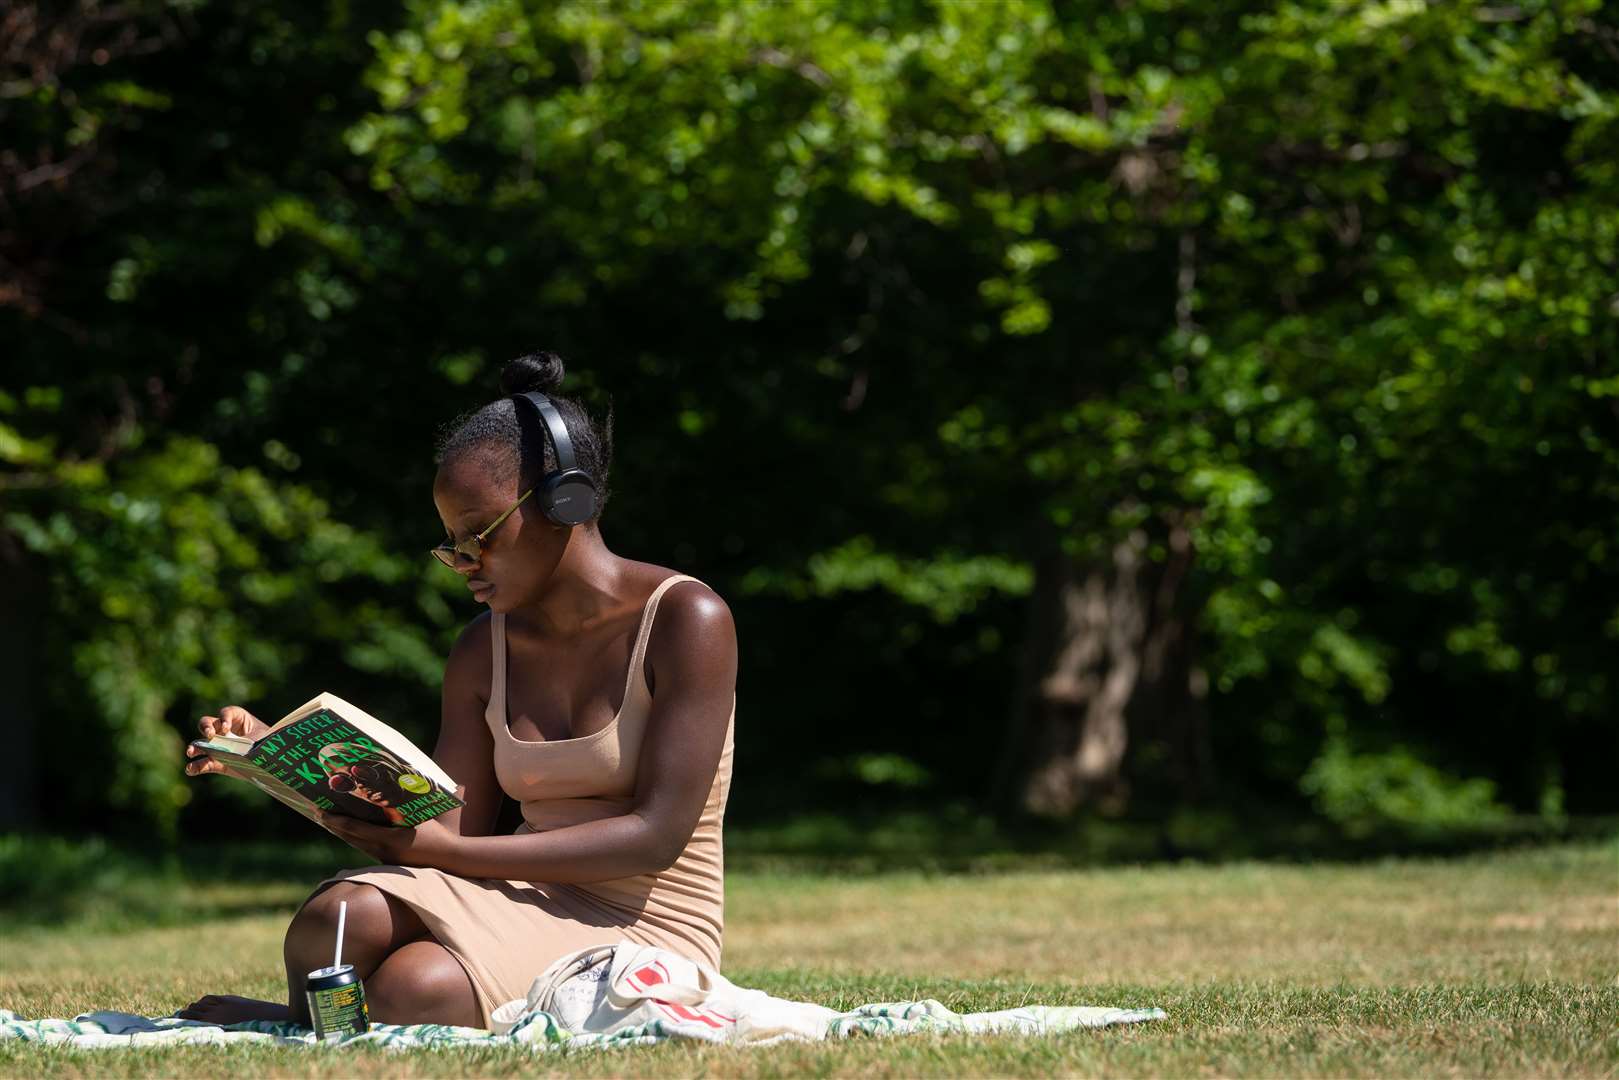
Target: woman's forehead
<point x="462" y="487"/>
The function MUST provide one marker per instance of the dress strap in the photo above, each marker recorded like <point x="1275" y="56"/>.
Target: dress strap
<point x="495" y="714"/>
<point x="638" y="655"/>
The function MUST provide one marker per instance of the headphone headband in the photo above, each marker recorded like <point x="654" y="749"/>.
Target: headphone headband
<point x="552" y="419"/>
<point x="568" y="494"/>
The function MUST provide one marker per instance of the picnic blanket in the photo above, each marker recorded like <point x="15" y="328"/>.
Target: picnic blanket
<point x="607" y="996"/>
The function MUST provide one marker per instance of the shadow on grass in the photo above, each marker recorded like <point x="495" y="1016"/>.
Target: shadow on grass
<point x="959" y="840"/>
<point x="51" y="881"/>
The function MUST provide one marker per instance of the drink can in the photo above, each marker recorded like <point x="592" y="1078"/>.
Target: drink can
<point x="336" y="1002"/>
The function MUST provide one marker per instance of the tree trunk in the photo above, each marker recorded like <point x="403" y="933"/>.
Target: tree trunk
<point x="1108" y="660"/>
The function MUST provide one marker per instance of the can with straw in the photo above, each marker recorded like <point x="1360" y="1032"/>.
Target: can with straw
<point x="336" y="995"/>
<point x="336" y="1002"/>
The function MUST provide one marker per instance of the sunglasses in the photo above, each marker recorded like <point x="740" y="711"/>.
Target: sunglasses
<point x="469" y="552"/>
<point x="352" y="778"/>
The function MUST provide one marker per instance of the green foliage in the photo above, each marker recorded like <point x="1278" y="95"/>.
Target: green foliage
<point x="212" y="584"/>
<point x="1331" y="291"/>
<point x="46" y="881"/>
<point x="1396" y="789"/>
<point x="946" y="585"/>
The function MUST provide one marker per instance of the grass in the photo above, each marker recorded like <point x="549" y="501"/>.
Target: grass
<point x="1505" y="964"/>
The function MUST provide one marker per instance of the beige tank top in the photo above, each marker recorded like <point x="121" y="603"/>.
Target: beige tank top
<point x="561" y="782"/>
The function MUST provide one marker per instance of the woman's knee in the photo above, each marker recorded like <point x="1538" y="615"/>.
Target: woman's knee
<point x="326" y="903"/>
<point x="423" y="982"/>
<point x="315" y="926"/>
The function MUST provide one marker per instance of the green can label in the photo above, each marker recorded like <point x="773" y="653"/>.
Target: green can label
<point x="337" y="1003"/>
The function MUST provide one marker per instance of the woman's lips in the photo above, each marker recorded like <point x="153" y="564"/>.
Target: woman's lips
<point x="480" y="589"/>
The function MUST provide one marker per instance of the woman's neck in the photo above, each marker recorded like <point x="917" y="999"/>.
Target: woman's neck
<point x="585" y="590"/>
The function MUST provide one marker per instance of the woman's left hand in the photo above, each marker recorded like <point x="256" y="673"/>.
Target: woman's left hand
<point x="431" y="843"/>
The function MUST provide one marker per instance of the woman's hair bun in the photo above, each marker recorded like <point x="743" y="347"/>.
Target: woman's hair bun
<point x="541" y="371"/>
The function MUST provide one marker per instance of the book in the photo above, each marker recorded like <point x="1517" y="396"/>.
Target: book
<point x="328" y="755"/>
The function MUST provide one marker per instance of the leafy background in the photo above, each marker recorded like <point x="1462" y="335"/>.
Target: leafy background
<point x="898" y="306"/>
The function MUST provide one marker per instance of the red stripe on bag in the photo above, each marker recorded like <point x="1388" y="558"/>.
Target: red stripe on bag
<point x="654" y="974"/>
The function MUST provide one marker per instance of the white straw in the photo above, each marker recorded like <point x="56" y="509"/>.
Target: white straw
<point x="342" y="917"/>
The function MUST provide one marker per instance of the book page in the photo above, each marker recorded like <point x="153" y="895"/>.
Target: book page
<point x="235" y="745"/>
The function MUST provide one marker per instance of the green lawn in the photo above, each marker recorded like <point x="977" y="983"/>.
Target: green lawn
<point x="1500" y="965"/>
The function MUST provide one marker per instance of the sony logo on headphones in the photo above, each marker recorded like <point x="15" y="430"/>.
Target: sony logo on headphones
<point x="559" y="502"/>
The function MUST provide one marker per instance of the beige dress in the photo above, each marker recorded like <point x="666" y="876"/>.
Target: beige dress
<point x="506" y="932"/>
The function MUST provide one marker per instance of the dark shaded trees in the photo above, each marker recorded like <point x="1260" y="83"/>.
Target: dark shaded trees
<point x="1259" y="356"/>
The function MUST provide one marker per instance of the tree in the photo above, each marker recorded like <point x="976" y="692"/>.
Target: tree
<point x="1213" y="337"/>
<point x="1208" y="281"/>
<point x="173" y="579"/>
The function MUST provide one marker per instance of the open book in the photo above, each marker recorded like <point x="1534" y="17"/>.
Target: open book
<point x="328" y="755"/>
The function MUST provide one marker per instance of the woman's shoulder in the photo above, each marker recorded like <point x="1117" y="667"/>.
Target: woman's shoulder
<point x="691" y="615"/>
<point x="475" y="634"/>
<point x="472" y="656"/>
<point x="690" y="596"/>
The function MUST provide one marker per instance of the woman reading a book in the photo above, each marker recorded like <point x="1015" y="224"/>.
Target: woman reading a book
<point x="596" y="691"/>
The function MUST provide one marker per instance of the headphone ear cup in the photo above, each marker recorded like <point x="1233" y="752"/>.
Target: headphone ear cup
<point x="569" y="497"/>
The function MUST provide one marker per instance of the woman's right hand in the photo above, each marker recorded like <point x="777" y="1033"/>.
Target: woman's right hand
<point x="232" y="720"/>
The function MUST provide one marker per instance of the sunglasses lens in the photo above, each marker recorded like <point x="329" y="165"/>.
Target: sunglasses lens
<point x="468" y="553"/>
<point x="458" y="557"/>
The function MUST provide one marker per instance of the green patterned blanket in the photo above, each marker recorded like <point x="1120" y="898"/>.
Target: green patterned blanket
<point x="615" y="994"/>
<point x="541" y="1032"/>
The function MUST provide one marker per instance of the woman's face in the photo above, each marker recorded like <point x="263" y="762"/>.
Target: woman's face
<point x="519" y="556"/>
<point x="356" y="785"/>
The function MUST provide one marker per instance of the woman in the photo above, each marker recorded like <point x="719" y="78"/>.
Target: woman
<point x="598" y="692"/>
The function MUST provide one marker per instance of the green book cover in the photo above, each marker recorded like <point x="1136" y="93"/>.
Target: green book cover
<point x="332" y="756"/>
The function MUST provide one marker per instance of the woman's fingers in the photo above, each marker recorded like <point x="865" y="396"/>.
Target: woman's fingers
<point x="339" y="825"/>
<point x="361" y="835"/>
<point x="232" y="720"/>
<point x="347" y="827"/>
<point x="358" y="844"/>
<point x="205" y="764"/>
<point x="240" y="721"/>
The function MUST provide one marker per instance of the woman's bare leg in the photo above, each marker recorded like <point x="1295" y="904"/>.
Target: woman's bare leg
<point x="384" y="925"/>
<point x="377" y="925"/>
<point x="422" y="983"/>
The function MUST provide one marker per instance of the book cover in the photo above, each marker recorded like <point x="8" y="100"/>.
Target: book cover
<point x="332" y="756"/>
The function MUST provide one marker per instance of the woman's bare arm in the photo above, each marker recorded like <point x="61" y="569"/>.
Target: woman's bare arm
<point x="694" y="660"/>
<point x="465" y="748"/>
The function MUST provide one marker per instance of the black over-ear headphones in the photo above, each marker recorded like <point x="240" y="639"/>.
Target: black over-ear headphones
<point x="567" y="496"/>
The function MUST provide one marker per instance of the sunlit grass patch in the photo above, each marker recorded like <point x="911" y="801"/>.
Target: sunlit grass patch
<point x="1497" y="965"/>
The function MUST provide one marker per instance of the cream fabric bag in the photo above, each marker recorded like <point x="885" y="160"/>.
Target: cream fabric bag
<point x="612" y="988"/>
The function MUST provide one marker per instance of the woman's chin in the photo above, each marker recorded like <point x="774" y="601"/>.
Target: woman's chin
<point x="497" y="603"/>
<point x="502" y="599"/>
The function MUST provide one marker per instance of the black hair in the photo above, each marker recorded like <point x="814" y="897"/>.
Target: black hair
<point x="514" y="439"/>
